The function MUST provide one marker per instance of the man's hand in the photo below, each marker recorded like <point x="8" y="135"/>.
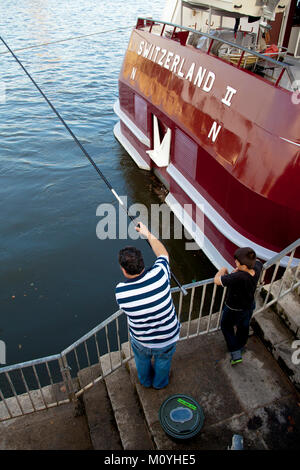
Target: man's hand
<point x="142" y="229"/>
<point x="156" y="245"/>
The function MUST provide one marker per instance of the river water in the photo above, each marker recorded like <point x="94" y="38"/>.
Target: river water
<point x="57" y="277"/>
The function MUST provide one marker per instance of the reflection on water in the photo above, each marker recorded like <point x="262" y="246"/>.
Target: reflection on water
<point x="57" y="278"/>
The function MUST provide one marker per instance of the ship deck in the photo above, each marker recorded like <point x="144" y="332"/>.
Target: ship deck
<point x="294" y="64"/>
<point x="273" y="73"/>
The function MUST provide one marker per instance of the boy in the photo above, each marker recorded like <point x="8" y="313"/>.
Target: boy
<point x="239" y="302"/>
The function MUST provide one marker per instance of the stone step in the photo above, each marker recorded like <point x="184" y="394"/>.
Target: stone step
<point x="57" y="428"/>
<point x="35" y="400"/>
<point x="101" y="421"/>
<point x="128" y="415"/>
<point x="279" y="340"/>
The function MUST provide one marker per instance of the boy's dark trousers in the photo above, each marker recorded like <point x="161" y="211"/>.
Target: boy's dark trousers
<point x="239" y="319"/>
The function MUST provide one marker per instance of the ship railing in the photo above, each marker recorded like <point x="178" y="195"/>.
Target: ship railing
<point x="62" y="378"/>
<point x="240" y="56"/>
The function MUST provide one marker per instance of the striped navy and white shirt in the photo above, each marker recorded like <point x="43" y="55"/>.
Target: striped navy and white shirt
<point x="147" y="302"/>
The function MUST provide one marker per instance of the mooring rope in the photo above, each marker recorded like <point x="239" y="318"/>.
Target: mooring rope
<point x="68" y="39"/>
<point x="102" y="176"/>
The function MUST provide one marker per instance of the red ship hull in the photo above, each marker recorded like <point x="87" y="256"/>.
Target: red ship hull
<point x="235" y="143"/>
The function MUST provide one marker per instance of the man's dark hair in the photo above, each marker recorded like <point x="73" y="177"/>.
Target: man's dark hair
<point x="246" y="256"/>
<point x="131" y="259"/>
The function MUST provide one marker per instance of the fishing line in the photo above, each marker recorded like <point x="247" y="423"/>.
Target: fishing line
<point x="102" y="176"/>
<point x="43" y="44"/>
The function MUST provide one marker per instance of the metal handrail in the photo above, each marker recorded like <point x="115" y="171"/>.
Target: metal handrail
<point x="33" y="362"/>
<point x="282" y="254"/>
<point x="274" y="264"/>
<point x="272" y="61"/>
<point x="198" y="316"/>
<point x="95" y="330"/>
<point x="69" y="364"/>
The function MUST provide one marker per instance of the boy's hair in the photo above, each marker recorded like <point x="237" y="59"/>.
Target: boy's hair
<point x="131" y="259"/>
<point x="246" y="256"/>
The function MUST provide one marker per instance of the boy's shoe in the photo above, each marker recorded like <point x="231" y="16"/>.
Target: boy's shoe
<point x="233" y="362"/>
<point x="236" y="357"/>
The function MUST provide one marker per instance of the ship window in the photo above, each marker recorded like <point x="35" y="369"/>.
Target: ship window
<point x="140" y="113"/>
<point x="185" y="153"/>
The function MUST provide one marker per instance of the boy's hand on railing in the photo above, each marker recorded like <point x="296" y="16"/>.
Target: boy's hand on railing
<point x="220" y="273"/>
<point x="223" y="271"/>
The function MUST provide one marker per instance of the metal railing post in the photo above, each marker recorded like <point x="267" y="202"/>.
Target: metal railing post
<point x="66" y="376"/>
<point x="241" y="58"/>
<point x="210" y="46"/>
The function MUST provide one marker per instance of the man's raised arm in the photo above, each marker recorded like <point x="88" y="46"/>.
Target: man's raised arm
<point x="156" y="244"/>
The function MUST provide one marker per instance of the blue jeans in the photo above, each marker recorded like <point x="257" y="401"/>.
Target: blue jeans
<point x="156" y="375"/>
<point x="239" y="319"/>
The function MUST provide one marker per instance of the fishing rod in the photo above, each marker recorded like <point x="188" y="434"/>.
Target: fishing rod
<point x="102" y="176"/>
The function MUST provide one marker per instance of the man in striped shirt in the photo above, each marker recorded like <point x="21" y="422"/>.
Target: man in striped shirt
<point x="146" y="299"/>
